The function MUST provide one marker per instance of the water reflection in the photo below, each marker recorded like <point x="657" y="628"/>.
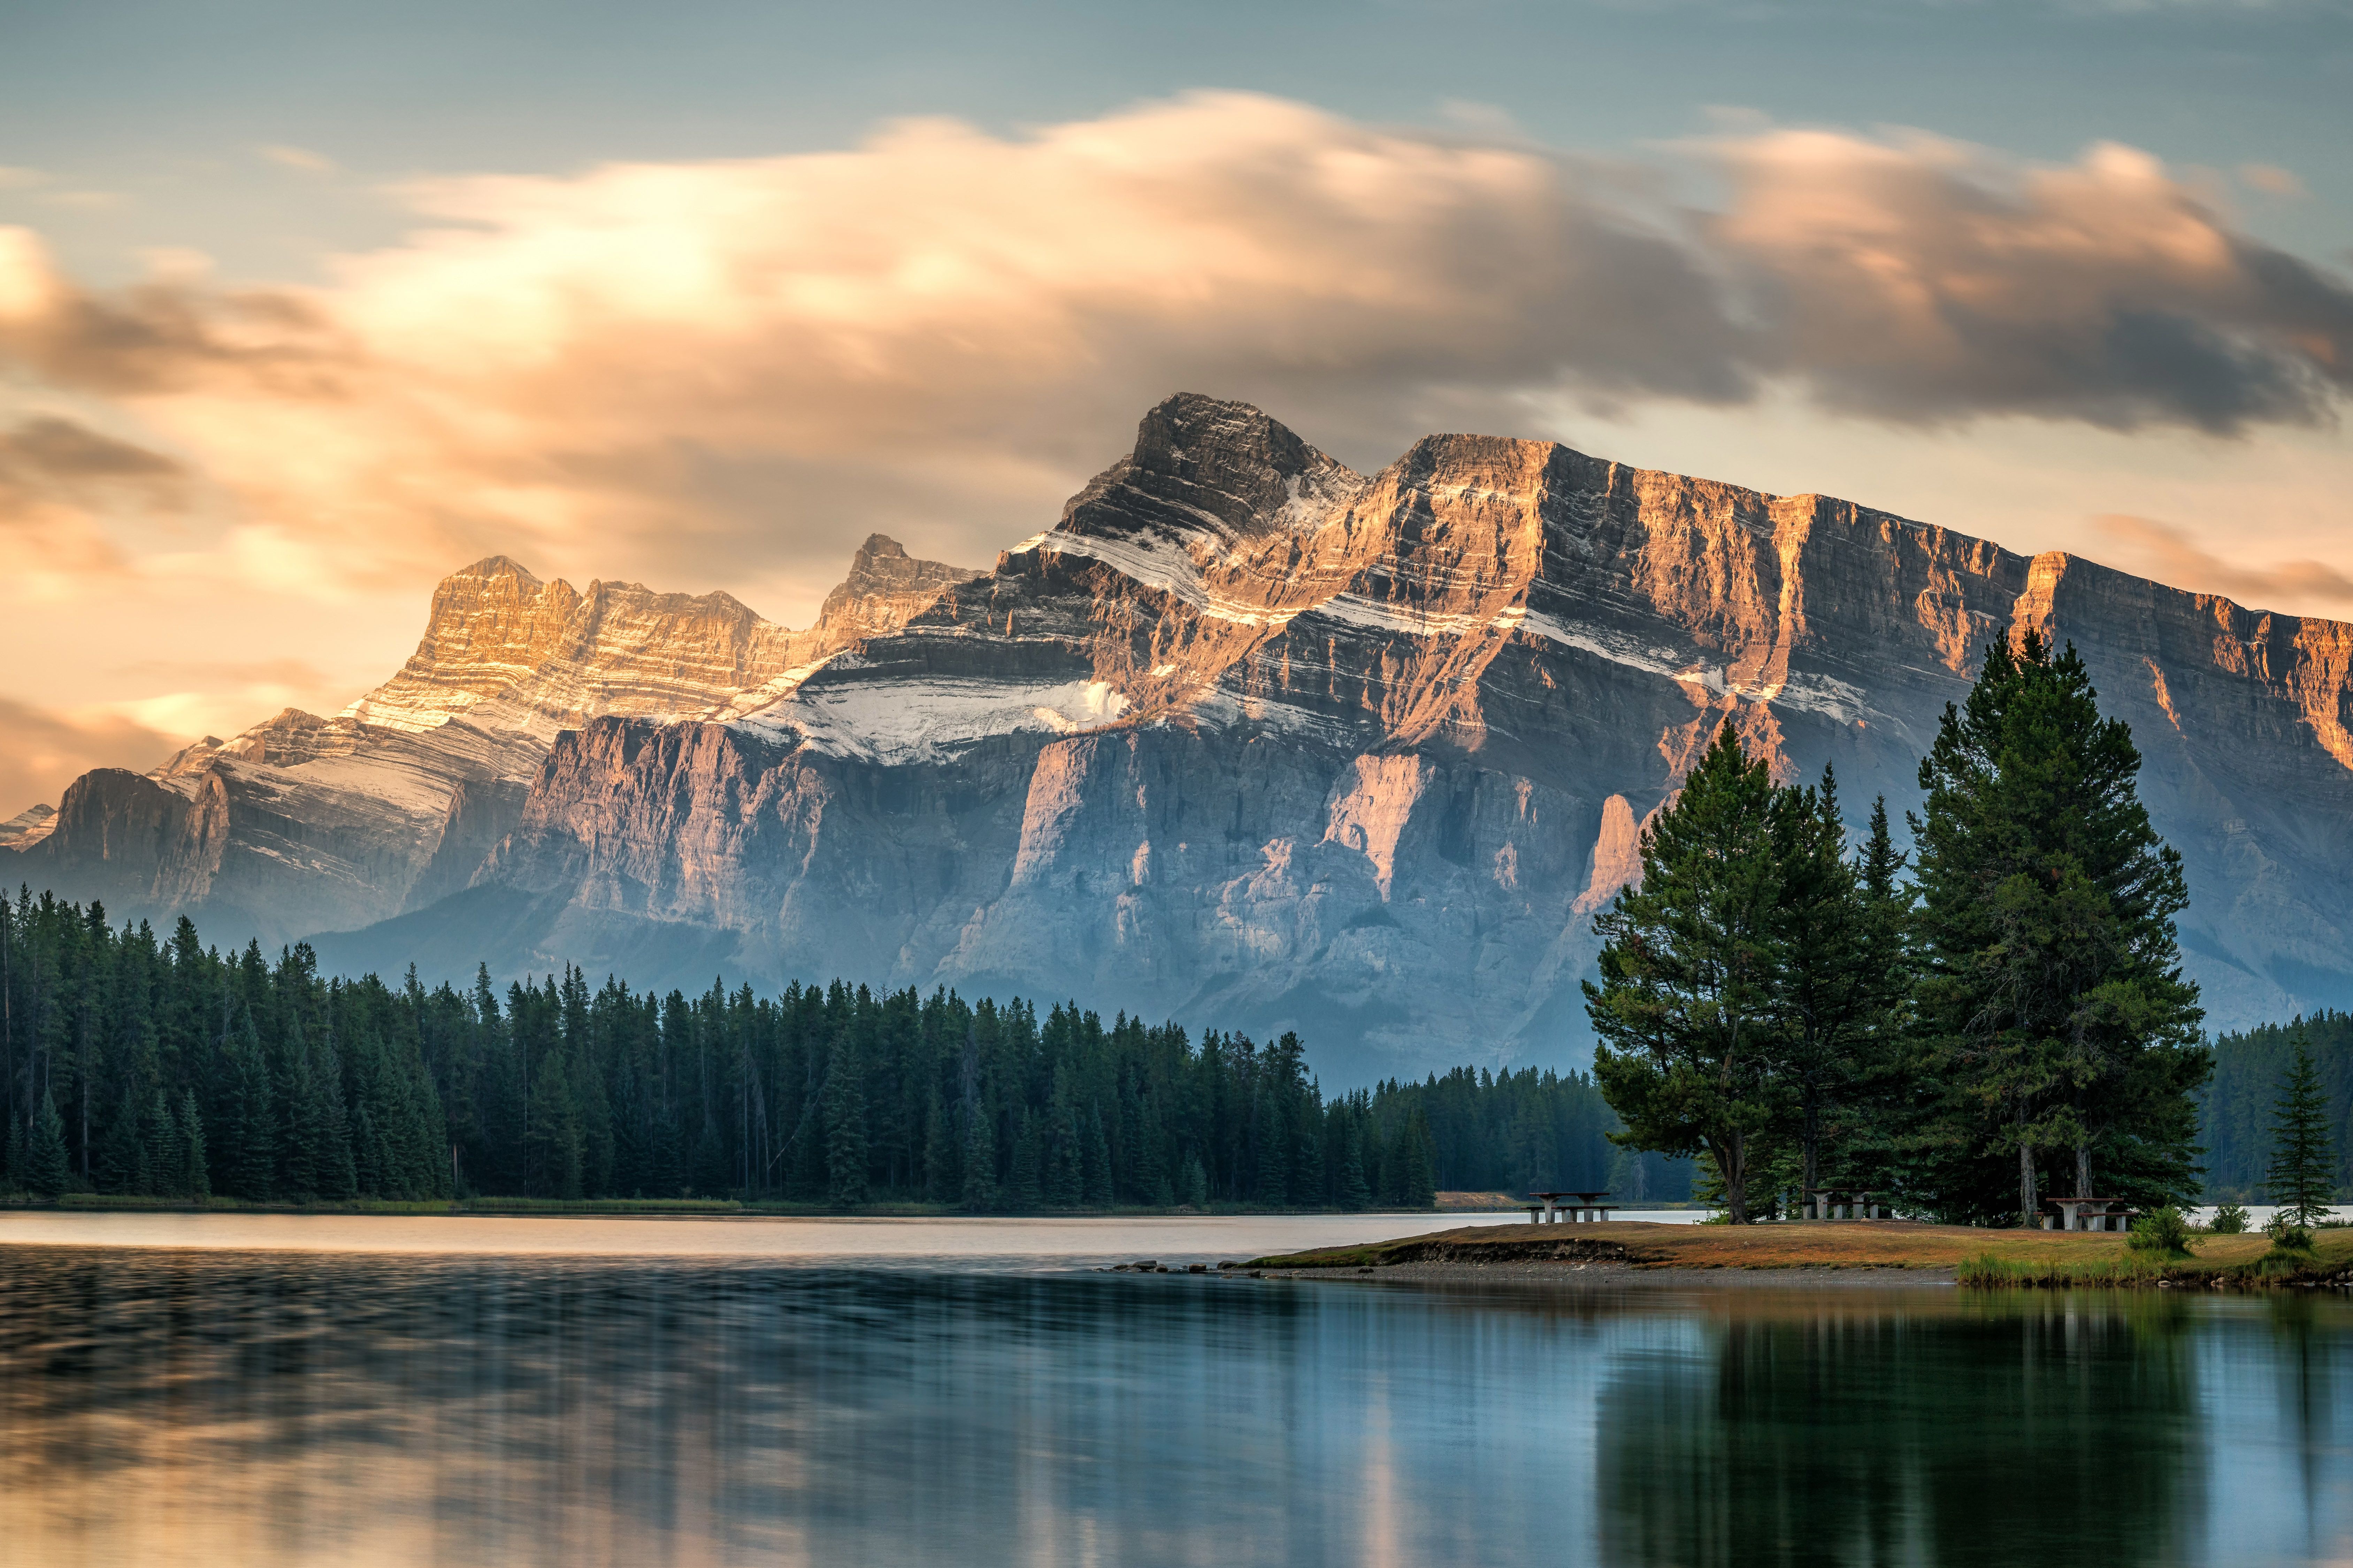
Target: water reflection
<point x="1993" y="1432"/>
<point x="158" y="1408"/>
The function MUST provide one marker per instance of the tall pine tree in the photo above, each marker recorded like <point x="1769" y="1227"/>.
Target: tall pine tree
<point x="1685" y="1009"/>
<point x="2052" y="990"/>
<point x="2300" y="1179"/>
<point x="1837" y="978"/>
<point x="48" y="1171"/>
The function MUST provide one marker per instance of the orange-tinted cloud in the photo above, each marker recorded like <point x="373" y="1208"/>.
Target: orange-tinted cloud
<point x="725" y="371"/>
<point x="59" y="483"/>
<point x="1919" y="280"/>
<point x="2169" y="554"/>
<point x="42" y="750"/>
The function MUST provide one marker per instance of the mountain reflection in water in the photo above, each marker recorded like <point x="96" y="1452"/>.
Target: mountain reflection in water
<point x="160" y="1408"/>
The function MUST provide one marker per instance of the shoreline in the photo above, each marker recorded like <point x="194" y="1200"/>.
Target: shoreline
<point x="1888" y="1251"/>
<point x="691" y="1208"/>
<point x="1617" y="1276"/>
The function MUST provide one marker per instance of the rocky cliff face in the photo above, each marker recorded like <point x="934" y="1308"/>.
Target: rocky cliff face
<point x="1245" y="738"/>
<point x="303" y="824"/>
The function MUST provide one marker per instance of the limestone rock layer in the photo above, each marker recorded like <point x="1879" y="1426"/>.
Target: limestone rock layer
<point x="1246" y="737"/>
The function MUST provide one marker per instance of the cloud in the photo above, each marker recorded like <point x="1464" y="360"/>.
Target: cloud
<point x="64" y="458"/>
<point x="301" y="158"/>
<point x="733" y="370"/>
<point x="2271" y="179"/>
<point x="2172" y="556"/>
<point x="286" y="674"/>
<point x="60" y="485"/>
<point x="1921" y="281"/>
<point x="170" y="334"/>
<point x="46" y="750"/>
<point x="45" y="747"/>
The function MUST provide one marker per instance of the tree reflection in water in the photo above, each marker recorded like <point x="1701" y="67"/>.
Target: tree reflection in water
<point x="2002" y="1429"/>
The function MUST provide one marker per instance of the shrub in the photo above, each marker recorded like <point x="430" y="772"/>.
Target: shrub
<point x="2230" y="1219"/>
<point x="2163" y="1231"/>
<point x="2286" y="1235"/>
<point x="2289" y="1238"/>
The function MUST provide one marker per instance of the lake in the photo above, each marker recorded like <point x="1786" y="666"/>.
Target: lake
<point x="286" y="1389"/>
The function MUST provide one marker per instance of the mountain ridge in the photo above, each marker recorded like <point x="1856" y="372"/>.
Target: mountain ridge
<point x="1247" y="734"/>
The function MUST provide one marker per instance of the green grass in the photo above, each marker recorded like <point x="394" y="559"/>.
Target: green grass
<point x="1982" y="1258"/>
<point x="1990" y="1270"/>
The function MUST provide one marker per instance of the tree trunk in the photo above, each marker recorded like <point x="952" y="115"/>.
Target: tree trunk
<point x="1813" y="1142"/>
<point x="1732" y="1163"/>
<point x="2082" y="1170"/>
<point x="2026" y="1205"/>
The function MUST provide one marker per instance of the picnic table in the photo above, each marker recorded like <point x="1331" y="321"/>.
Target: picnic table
<point x="2087" y="1214"/>
<point x="1844" y="1203"/>
<point x="1571" y="1208"/>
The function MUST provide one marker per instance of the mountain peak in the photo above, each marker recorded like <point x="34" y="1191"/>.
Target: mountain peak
<point x="885" y="586"/>
<point x="1227" y="448"/>
<point x="492" y="567"/>
<point x="1202" y="461"/>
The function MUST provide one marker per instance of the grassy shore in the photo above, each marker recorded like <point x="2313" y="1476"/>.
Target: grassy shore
<point x="1988" y="1258"/>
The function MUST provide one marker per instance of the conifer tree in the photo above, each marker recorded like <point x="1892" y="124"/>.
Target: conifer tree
<point x="47" y="1168"/>
<point x="1193" y="1185"/>
<point x="1420" y="1183"/>
<point x="1023" y="1187"/>
<point x="2052" y="990"/>
<point x="938" y="1161"/>
<point x="123" y="1164"/>
<point x="162" y="1159"/>
<point x="1354" y="1192"/>
<point x="300" y="1149"/>
<point x="845" y="1126"/>
<point x="2303" y="1164"/>
<point x="1062" y="1179"/>
<point x="554" y="1131"/>
<point x="1836" y="979"/>
<point x="1272" y="1180"/>
<point x="1684" y="1011"/>
<point x="1878" y="1137"/>
<point x="1098" y="1179"/>
<point x="251" y="1156"/>
<point x="195" y="1177"/>
<point x="980" y="1191"/>
<point x="338" y="1171"/>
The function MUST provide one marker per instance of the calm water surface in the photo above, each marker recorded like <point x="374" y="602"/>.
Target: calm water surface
<point x="574" y="1400"/>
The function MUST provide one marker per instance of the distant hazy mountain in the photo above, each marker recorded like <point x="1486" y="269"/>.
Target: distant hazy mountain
<point x="1247" y="739"/>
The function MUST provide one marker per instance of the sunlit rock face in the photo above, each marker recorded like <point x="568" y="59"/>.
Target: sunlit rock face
<point x="1246" y="739"/>
<point x="305" y="824"/>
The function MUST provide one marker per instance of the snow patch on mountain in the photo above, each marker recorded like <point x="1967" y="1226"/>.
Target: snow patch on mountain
<point x="896" y="720"/>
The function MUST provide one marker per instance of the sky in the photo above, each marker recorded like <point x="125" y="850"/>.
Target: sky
<point x="304" y="306"/>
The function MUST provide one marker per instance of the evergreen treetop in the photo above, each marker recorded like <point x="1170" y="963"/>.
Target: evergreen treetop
<point x="2303" y="1165"/>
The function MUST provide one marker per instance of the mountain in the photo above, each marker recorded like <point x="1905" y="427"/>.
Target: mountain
<point x="1246" y="737"/>
<point x="303" y="824"/>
